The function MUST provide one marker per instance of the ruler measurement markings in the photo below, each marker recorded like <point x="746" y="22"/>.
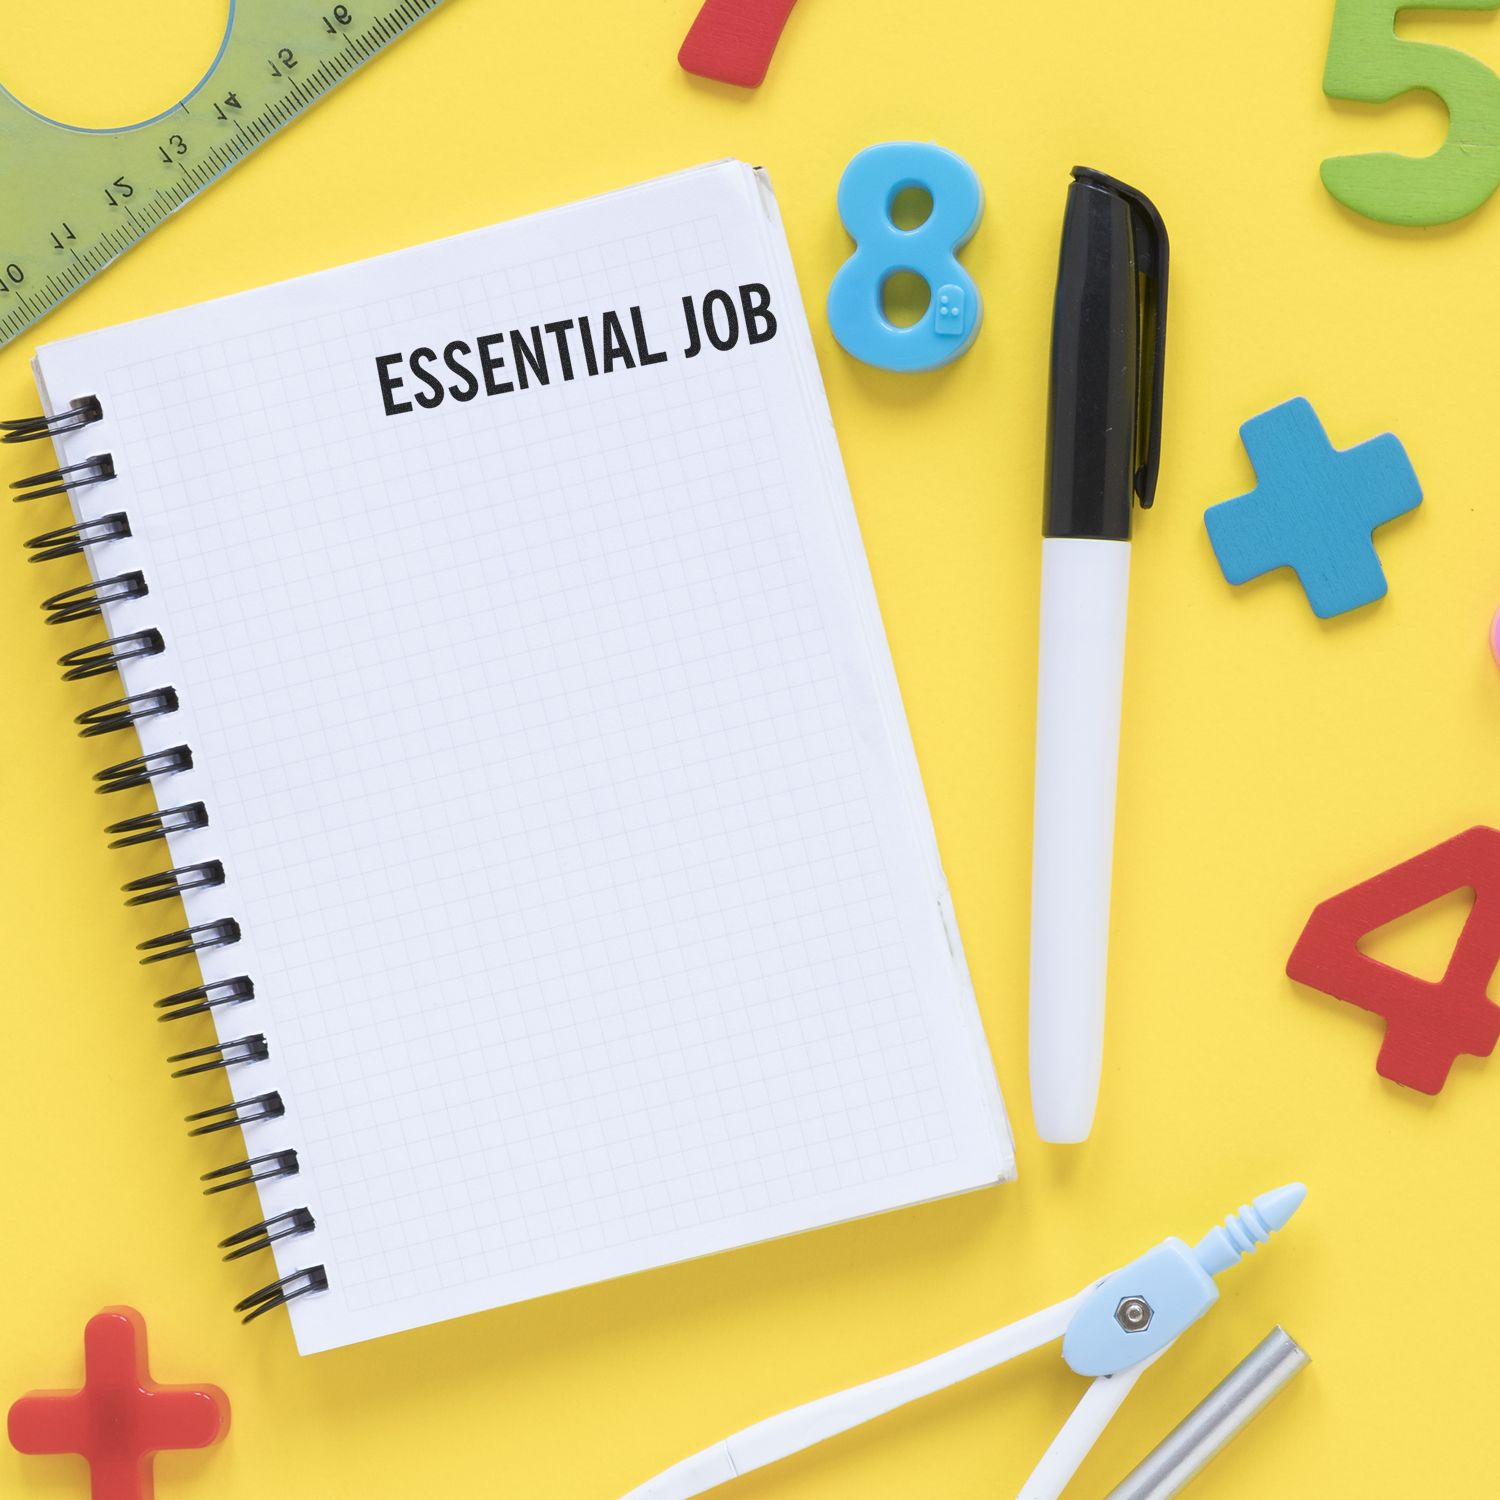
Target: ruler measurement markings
<point x="102" y="171"/>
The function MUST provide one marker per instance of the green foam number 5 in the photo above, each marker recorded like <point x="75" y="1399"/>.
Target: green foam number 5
<point x="1368" y="62"/>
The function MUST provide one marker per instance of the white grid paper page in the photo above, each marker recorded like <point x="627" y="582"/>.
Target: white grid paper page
<point x="553" y="750"/>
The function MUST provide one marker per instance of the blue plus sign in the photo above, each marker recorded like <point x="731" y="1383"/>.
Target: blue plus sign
<point x="1314" y="508"/>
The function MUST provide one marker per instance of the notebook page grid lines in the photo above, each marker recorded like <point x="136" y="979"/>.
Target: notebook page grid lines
<point x="539" y="717"/>
<point x="897" y="734"/>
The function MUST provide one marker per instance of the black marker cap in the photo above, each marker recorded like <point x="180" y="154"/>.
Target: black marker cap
<point x="1109" y="330"/>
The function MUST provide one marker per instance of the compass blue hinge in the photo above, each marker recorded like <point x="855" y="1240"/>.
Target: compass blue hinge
<point x="1137" y="1311"/>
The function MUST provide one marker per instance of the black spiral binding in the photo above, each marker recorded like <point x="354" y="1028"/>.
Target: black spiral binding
<point x="203" y="998"/>
<point x="140" y="769"/>
<point x="168" y="883"/>
<point x="151" y="826"/>
<point x="259" y="1236"/>
<point x="104" y="656"/>
<point x="69" y="541"/>
<point x="279" y="1293"/>
<point x="85" y="602"/>
<point x="223" y="1055"/>
<point x="94" y="470"/>
<point x="89" y="599"/>
<point x="28" y="429"/>
<point x="110" y="718"/>
<point x="253" y="1169"/>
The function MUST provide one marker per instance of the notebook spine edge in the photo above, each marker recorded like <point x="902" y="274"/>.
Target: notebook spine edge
<point x="131" y="710"/>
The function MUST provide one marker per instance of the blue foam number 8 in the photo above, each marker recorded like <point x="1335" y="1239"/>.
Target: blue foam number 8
<point x="867" y="194"/>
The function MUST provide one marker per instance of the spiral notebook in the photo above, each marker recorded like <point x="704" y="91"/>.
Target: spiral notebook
<point x="518" y="731"/>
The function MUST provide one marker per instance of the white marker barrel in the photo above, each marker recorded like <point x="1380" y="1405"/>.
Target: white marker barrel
<point x="1085" y="588"/>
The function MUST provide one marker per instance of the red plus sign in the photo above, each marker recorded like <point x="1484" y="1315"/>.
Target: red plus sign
<point x="121" y="1417"/>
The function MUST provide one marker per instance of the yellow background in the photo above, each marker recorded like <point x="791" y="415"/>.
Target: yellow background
<point x="1269" y="761"/>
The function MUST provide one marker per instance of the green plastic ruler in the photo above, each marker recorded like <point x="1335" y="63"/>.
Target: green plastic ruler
<point x="71" y="200"/>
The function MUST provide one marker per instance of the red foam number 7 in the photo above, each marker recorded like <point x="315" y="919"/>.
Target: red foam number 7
<point x="1428" y="1025"/>
<point x="1369" y="63"/>
<point x="732" y="40"/>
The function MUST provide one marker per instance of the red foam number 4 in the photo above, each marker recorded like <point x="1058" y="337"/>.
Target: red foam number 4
<point x="1429" y="1024"/>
